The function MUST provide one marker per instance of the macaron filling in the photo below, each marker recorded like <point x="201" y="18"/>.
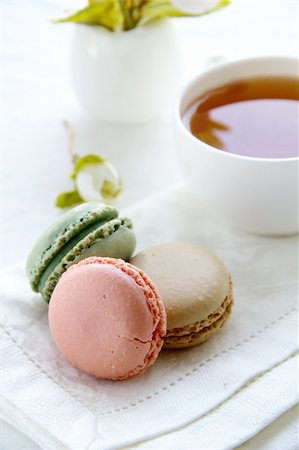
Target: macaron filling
<point x="197" y="337"/>
<point x="198" y="332"/>
<point x="81" y="246"/>
<point x="66" y="249"/>
<point x="63" y="230"/>
<point x="202" y="324"/>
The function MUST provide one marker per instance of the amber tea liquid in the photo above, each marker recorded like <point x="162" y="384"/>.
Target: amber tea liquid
<point x="256" y="117"/>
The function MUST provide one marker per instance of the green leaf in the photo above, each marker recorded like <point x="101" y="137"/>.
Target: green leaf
<point x="220" y="4"/>
<point x="159" y="9"/>
<point x="127" y="14"/>
<point x="84" y="160"/>
<point x="106" y="13"/>
<point x="109" y="190"/>
<point x="94" y="2"/>
<point x="70" y="198"/>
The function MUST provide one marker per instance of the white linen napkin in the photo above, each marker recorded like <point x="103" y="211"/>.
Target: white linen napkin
<point x="214" y="396"/>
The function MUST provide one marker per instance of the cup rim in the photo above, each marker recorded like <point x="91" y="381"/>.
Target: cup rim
<point x="196" y="79"/>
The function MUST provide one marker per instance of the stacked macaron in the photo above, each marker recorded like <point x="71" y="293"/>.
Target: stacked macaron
<point x="107" y="316"/>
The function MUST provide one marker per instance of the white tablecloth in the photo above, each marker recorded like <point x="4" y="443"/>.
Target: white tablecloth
<point x="241" y="380"/>
<point x="35" y="96"/>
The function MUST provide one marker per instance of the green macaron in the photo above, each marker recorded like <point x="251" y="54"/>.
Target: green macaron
<point x="91" y="229"/>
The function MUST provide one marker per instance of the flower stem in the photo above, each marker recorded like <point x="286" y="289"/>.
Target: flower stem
<point x="70" y="140"/>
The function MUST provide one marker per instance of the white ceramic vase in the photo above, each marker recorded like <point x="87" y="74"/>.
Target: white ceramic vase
<point x="128" y="77"/>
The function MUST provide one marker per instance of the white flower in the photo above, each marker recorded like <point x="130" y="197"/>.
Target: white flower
<point x="195" y="6"/>
<point x="98" y="181"/>
<point x="94" y="178"/>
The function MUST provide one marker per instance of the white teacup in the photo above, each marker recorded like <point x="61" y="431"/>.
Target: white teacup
<point x="259" y="195"/>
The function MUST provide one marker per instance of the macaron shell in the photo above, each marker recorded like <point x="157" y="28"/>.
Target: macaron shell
<point x="114" y="239"/>
<point x="192" y="282"/>
<point x="105" y="318"/>
<point x="62" y="231"/>
<point x="196" y="333"/>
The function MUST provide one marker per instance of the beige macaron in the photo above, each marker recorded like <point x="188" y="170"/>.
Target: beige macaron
<point x="194" y="285"/>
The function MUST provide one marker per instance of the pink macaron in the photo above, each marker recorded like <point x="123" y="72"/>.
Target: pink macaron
<point x="107" y="319"/>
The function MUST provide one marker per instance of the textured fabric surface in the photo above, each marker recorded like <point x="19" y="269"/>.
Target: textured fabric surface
<point x="241" y="379"/>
